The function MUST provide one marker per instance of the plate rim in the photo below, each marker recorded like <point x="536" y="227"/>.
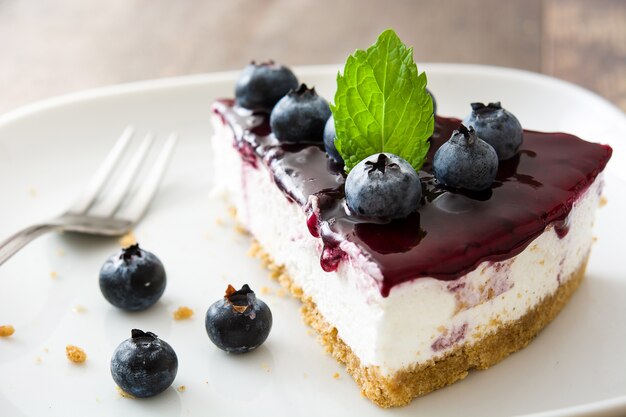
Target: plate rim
<point x="231" y="75"/>
<point x="605" y="407"/>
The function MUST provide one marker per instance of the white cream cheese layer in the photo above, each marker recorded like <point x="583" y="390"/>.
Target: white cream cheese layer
<point x="420" y="319"/>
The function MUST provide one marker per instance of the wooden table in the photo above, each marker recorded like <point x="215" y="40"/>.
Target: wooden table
<point x="55" y="47"/>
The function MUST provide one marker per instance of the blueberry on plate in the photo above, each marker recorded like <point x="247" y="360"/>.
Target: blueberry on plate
<point x="132" y="279"/>
<point x="144" y="365"/>
<point x="300" y="116"/>
<point x="383" y="186"/>
<point x="329" y="140"/>
<point x="239" y="322"/>
<point x="260" y="86"/>
<point x="496" y="126"/>
<point x="465" y="161"/>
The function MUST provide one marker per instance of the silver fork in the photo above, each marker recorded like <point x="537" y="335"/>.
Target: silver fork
<point x="105" y="217"/>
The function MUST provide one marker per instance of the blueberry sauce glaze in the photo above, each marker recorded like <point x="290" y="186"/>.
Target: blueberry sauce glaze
<point x="452" y="232"/>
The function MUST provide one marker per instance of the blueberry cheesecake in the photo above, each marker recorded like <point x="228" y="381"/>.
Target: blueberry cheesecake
<point x="421" y="246"/>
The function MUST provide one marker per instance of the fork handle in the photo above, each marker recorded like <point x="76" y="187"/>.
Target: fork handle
<point x="20" y="239"/>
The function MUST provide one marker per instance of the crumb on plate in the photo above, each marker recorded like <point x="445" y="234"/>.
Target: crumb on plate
<point x="6" y="330"/>
<point x="265" y="290"/>
<point x="128" y="239"/>
<point x="336" y="375"/>
<point x="181" y="388"/>
<point x="78" y="309"/>
<point x="123" y="393"/>
<point x="232" y="212"/>
<point x="75" y="354"/>
<point x="183" y="313"/>
<point x="54" y="274"/>
<point x="255" y="250"/>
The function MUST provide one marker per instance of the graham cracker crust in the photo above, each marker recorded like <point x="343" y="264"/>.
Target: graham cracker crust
<point x="414" y="381"/>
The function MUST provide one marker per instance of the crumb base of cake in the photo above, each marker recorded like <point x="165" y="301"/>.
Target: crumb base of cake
<point x="416" y="380"/>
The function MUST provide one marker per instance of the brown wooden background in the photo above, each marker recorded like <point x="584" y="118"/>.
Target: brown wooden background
<point x="52" y="47"/>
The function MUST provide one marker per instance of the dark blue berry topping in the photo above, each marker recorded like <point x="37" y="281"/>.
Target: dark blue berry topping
<point x="132" y="279"/>
<point x="496" y="126"/>
<point x="383" y="186"/>
<point x="329" y="140"/>
<point x="466" y="162"/>
<point x="300" y="116"/>
<point x="239" y="322"/>
<point x="260" y="86"/>
<point x="144" y="365"/>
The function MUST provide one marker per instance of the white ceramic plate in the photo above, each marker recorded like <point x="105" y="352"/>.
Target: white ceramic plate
<point x="47" y="150"/>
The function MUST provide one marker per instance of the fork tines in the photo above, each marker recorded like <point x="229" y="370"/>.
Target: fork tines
<point x="127" y="180"/>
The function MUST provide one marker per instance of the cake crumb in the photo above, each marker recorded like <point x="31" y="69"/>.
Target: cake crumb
<point x="124" y="393"/>
<point x="206" y="382"/>
<point x="38" y="360"/>
<point x="183" y="313"/>
<point x="78" y="309"/>
<point x="75" y="354"/>
<point x="232" y="212"/>
<point x="265" y="367"/>
<point x="281" y="292"/>
<point x="241" y="230"/>
<point x="603" y="201"/>
<point x="336" y="375"/>
<point x="442" y="329"/>
<point x="46" y="350"/>
<point x="275" y="273"/>
<point x="254" y="250"/>
<point x="182" y="388"/>
<point x="542" y="262"/>
<point x="296" y="291"/>
<point x="219" y="221"/>
<point x="595" y="239"/>
<point x="54" y="275"/>
<point x="310" y="332"/>
<point x="6" y="330"/>
<point x="128" y="239"/>
<point x="265" y="290"/>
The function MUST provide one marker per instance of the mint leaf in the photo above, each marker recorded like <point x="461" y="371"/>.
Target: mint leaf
<point x="381" y="104"/>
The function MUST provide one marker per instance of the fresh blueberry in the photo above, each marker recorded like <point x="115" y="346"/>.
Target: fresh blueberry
<point x="132" y="279"/>
<point x="300" y="116"/>
<point x="496" y="126"/>
<point x="383" y="186"/>
<point x="260" y="86"/>
<point x="144" y="365"/>
<point x="239" y="322"/>
<point x="465" y="161"/>
<point x="329" y="140"/>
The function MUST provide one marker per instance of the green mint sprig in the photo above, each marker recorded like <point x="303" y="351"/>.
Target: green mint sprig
<point x="381" y="104"/>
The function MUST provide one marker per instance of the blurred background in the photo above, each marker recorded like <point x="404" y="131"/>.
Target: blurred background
<point x="51" y="47"/>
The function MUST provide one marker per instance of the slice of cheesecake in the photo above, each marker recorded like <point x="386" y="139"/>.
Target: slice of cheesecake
<point x="412" y="305"/>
